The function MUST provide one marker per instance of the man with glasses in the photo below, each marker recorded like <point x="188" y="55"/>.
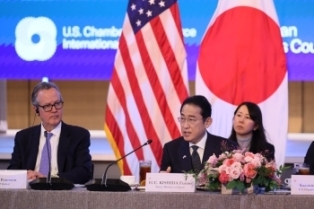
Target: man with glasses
<point x="190" y="151"/>
<point x="65" y="146"/>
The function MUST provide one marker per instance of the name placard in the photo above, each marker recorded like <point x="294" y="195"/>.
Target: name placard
<point x="169" y="182"/>
<point x="302" y="185"/>
<point x="13" y="179"/>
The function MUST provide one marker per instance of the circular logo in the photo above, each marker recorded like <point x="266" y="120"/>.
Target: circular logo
<point x="35" y="39"/>
<point x="242" y="58"/>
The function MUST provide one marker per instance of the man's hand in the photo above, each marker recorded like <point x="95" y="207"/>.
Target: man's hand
<point x="31" y="175"/>
<point x="167" y="171"/>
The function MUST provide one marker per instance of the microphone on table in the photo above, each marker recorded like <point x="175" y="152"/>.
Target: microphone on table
<point x="50" y="183"/>
<point x="115" y="185"/>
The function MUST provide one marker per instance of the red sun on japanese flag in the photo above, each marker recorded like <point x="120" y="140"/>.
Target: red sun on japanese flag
<point x="234" y="61"/>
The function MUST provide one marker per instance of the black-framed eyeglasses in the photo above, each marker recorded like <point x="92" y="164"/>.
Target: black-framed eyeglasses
<point x="47" y="108"/>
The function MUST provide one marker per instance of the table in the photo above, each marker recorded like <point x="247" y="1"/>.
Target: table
<point x="81" y="198"/>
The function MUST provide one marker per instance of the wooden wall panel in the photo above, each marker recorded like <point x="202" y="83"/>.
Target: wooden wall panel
<point x="192" y="87"/>
<point x="18" y="104"/>
<point x="308" y="116"/>
<point x="295" y="107"/>
<point x="85" y="104"/>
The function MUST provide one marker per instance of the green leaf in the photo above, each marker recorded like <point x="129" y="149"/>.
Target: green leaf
<point x="231" y="184"/>
<point x="240" y="186"/>
<point x="255" y="181"/>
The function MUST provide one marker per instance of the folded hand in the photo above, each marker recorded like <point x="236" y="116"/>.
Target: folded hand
<point x="31" y="175"/>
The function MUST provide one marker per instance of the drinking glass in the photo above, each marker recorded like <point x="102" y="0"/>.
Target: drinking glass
<point x="145" y="167"/>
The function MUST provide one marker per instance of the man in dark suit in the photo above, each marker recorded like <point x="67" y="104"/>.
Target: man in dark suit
<point x="309" y="158"/>
<point x="66" y="147"/>
<point x="190" y="151"/>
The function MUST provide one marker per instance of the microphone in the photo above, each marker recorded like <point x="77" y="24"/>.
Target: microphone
<point x="115" y="185"/>
<point x="50" y="183"/>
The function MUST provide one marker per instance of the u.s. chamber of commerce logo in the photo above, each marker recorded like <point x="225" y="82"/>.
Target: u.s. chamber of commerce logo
<point x="35" y="38"/>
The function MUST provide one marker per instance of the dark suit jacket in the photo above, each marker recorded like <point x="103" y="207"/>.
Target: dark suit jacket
<point x="309" y="158"/>
<point x="269" y="152"/>
<point x="175" y="150"/>
<point x="74" y="160"/>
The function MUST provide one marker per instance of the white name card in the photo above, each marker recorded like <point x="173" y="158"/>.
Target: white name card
<point x="169" y="182"/>
<point x="13" y="179"/>
<point x="302" y="184"/>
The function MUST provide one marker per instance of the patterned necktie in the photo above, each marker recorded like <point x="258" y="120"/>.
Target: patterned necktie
<point x="45" y="155"/>
<point x="196" y="160"/>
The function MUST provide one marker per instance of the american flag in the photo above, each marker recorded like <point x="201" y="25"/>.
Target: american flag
<point x="148" y="84"/>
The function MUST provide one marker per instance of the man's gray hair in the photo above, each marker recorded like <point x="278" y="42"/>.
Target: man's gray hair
<point x="42" y="86"/>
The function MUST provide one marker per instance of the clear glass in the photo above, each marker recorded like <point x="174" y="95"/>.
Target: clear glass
<point x="144" y="167"/>
<point x="304" y="169"/>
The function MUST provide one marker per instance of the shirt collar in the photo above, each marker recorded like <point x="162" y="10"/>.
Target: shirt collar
<point x="56" y="131"/>
<point x="201" y="143"/>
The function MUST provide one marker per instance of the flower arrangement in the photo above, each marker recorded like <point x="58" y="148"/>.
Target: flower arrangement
<point x="240" y="170"/>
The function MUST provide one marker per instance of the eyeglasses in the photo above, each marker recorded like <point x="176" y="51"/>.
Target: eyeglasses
<point x="191" y="121"/>
<point x="47" y="108"/>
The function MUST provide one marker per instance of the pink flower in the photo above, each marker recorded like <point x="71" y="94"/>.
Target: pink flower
<point x="202" y="178"/>
<point x="228" y="162"/>
<point x="235" y="170"/>
<point x="237" y="151"/>
<point x="250" y="170"/>
<point x="248" y="156"/>
<point x="237" y="166"/>
<point x="271" y="167"/>
<point x="222" y="156"/>
<point x="256" y="162"/>
<point x="259" y="156"/>
<point x="223" y="177"/>
<point x="271" y="164"/>
<point x="213" y="160"/>
<point x="248" y="180"/>
<point x="237" y="156"/>
<point x="242" y="177"/>
<point x="222" y="168"/>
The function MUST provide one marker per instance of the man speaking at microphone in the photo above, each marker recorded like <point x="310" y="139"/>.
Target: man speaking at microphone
<point x="64" y="147"/>
<point x="190" y="151"/>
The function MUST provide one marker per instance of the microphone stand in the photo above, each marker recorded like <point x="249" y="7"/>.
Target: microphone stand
<point x="50" y="183"/>
<point x="114" y="184"/>
<point x="104" y="177"/>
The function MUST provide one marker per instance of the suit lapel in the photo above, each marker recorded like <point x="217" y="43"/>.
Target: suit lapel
<point x="32" y="151"/>
<point x="208" y="150"/>
<point x="185" y="156"/>
<point x="64" y="142"/>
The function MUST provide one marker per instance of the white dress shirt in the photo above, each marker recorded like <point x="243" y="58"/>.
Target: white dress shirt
<point x="54" y="141"/>
<point x="201" y="146"/>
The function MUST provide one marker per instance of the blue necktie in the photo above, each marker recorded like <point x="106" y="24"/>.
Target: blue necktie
<point x="45" y="155"/>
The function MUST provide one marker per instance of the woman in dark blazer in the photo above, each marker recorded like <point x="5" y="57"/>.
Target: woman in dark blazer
<point x="248" y="130"/>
